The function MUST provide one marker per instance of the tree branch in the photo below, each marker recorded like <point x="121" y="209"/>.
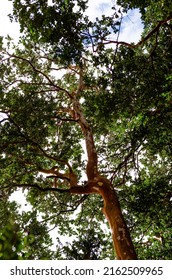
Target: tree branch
<point x="79" y="189"/>
<point x="40" y="72"/>
<point x="141" y="42"/>
<point x="82" y="199"/>
<point x="36" y="186"/>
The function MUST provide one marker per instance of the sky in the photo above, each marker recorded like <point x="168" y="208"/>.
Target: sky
<point x="6" y="27"/>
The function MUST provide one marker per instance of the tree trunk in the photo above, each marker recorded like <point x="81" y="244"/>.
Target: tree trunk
<point x="123" y="244"/>
<point x="98" y="184"/>
<point x="120" y="233"/>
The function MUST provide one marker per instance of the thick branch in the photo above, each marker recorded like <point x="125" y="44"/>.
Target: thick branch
<point x="70" y="176"/>
<point x="79" y="189"/>
<point x="92" y="167"/>
<point x="36" y="186"/>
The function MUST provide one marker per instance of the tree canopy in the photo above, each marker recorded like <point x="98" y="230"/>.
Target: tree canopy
<point x="86" y="124"/>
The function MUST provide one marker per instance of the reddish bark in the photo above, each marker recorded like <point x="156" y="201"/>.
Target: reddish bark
<point x="121" y="237"/>
<point x="120" y="234"/>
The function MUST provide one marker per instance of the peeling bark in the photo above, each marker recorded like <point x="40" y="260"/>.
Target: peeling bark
<point x="123" y="244"/>
<point x="120" y="233"/>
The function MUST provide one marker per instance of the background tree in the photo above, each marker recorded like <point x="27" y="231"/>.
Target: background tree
<point x="68" y="81"/>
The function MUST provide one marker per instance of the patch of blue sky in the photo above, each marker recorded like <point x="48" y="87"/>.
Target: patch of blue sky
<point x="132" y="27"/>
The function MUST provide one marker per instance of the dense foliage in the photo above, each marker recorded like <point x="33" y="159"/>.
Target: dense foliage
<point x="127" y="100"/>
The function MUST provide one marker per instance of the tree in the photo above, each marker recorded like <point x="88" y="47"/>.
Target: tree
<point x="69" y="82"/>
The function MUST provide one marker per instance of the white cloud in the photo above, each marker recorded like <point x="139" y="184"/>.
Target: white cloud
<point x="6" y="27"/>
<point x="99" y="7"/>
<point x="131" y="27"/>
